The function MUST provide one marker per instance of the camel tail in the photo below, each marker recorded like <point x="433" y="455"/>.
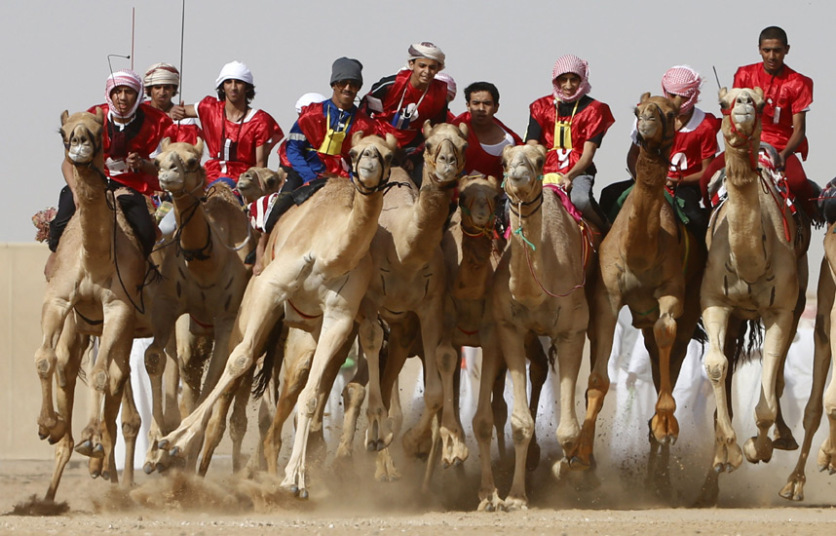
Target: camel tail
<point x="699" y="334"/>
<point x="748" y="341"/>
<point x="273" y="352"/>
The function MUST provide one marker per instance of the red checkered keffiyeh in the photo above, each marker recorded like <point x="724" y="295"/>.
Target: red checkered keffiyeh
<point x="571" y="64"/>
<point x="683" y="81"/>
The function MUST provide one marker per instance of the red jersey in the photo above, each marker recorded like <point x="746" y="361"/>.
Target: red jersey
<point x="392" y="95"/>
<point x="693" y="143"/>
<point x="786" y="94"/>
<point x="257" y="128"/>
<point x="591" y="119"/>
<point x="142" y="138"/>
<point x="186" y="130"/>
<point x="477" y="158"/>
<point x="313" y="124"/>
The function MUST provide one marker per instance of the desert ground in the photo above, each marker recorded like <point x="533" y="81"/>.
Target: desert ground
<point x="346" y="500"/>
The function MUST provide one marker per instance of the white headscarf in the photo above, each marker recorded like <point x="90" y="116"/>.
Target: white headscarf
<point x="234" y="70"/>
<point x="427" y="50"/>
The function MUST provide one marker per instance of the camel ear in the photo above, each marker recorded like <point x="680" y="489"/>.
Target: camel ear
<point x="165" y="143"/>
<point x="645" y="97"/>
<point x="64" y="116"/>
<point x="494" y="182"/>
<point x="464" y="130"/>
<point x="391" y="141"/>
<point x="199" y="145"/>
<point x="759" y="95"/>
<point x="427" y="129"/>
<point x="722" y="96"/>
<point x="355" y="139"/>
<point x="272" y="179"/>
<point x="100" y="115"/>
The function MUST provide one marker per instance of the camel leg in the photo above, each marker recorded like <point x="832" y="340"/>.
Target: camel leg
<point x="163" y="318"/>
<point x="783" y="438"/>
<point x="113" y="356"/>
<point x="171" y="387"/>
<point x="190" y="365"/>
<point x="777" y="325"/>
<point x="727" y="453"/>
<point x="299" y="351"/>
<point x="664" y="426"/>
<point x="379" y="432"/>
<point x="794" y="488"/>
<point x="116" y="348"/>
<point x="569" y="348"/>
<point x="131" y="423"/>
<point x="522" y="425"/>
<point x="354" y="393"/>
<point x="602" y="321"/>
<point x="499" y="408"/>
<point x="441" y="362"/>
<point x="335" y="331"/>
<point x="319" y="449"/>
<point x="237" y="423"/>
<point x="538" y="373"/>
<point x="54" y="316"/>
<point x="68" y="363"/>
<point x="256" y="318"/>
<point x="483" y="423"/>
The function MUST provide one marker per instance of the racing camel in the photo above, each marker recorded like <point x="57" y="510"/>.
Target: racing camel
<point x="203" y="276"/>
<point x="315" y="280"/>
<point x="95" y="286"/>
<point x="538" y="286"/>
<point x="653" y="265"/>
<point x="756" y="269"/>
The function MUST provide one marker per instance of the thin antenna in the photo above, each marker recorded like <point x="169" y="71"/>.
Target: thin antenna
<point x="133" y="25"/>
<point x="114" y="56"/>
<point x="182" y="33"/>
<point x="716" y="77"/>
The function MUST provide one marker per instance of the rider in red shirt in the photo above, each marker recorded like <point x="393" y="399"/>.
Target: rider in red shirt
<point x="571" y="125"/>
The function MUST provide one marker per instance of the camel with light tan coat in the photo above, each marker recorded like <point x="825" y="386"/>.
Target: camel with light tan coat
<point x="204" y="277"/>
<point x="410" y="278"/>
<point x="259" y="181"/>
<point x="652" y="264"/>
<point x="756" y="269"/>
<point x="538" y="286"/>
<point x="315" y="280"/>
<point x="95" y="286"/>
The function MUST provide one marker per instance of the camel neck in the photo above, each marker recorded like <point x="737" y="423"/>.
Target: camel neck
<point x="644" y="210"/>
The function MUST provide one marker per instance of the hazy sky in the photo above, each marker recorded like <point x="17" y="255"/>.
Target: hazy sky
<point x="55" y="56"/>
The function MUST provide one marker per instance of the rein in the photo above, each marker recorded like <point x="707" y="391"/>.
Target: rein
<point x="746" y="140"/>
<point x="521" y="233"/>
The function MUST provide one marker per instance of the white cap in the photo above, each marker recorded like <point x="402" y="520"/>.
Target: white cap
<point x="234" y="70"/>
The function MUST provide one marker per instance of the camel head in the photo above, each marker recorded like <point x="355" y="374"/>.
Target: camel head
<point x="655" y="117"/>
<point x="371" y="160"/>
<point x="741" y="108"/>
<point x="523" y="166"/>
<point x="82" y="135"/>
<point x="478" y="196"/>
<point x="179" y="169"/>
<point x="260" y="181"/>
<point x="444" y="150"/>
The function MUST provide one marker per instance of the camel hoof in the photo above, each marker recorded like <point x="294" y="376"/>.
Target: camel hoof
<point x="85" y="448"/>
<point x="148" y="468"/>
<point x="175" y="452"/>
<point x="303" y="494"/>
<point x="578" y="463"/>
<point x="162" y="444"/>
<point x="106" y="475"/>
<point x="793" y="491"/>
<point x="785" y="443"/>
<point x="98" y="451"/>
<point x="294" y="489"/>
